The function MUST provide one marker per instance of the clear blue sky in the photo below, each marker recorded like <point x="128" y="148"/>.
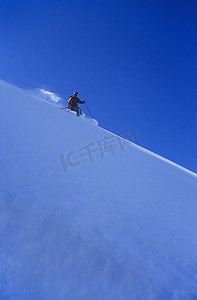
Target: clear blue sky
<point x="135" y="63"/>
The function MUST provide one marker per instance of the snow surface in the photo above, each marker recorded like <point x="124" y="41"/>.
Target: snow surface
<point x="117" y="222"/>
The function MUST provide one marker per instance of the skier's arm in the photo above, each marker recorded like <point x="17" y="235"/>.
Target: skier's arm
<point x="80" y="101"/>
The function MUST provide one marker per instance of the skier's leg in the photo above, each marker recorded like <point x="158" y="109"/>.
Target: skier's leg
<point x="77" y="110"/>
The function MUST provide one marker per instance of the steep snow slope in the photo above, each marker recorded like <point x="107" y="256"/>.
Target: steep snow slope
<point x="87" y="218"/>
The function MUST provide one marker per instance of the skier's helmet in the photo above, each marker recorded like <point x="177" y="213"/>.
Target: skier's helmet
<point x="76" y="93"/>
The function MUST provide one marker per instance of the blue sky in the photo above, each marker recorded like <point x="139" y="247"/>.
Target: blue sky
<point x="135" y="63"/>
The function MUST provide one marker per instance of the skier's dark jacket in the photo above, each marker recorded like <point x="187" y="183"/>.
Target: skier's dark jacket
<point x="73" y="101"/>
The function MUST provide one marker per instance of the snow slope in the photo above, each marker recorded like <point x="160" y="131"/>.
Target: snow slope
<point x="84" y="215"/>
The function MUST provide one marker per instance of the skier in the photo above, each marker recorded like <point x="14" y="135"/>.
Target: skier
<point x="73" y="104"/>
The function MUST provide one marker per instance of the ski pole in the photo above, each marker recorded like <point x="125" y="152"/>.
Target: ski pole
<point x="89" y="111"/>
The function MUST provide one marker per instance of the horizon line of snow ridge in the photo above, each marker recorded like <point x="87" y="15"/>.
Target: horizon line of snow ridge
<point x="55" y="100"/>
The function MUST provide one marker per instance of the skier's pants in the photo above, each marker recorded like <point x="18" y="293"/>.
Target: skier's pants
<point x="78" y="110"/>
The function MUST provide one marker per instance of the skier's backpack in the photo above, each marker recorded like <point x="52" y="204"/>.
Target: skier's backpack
<point x="72" y="102"/>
